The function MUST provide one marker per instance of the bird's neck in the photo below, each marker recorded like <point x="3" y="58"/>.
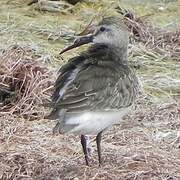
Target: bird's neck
<point x="109" y="52"/>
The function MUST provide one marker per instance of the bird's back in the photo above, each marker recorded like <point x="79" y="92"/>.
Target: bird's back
<point x="93" y="81"/>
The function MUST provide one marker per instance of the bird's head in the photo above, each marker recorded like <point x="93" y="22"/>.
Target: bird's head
<point x="109" y="32"/>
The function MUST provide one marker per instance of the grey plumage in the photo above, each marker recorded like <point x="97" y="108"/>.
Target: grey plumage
<point x="98" y="80"/>
<point x="99" y="77"/>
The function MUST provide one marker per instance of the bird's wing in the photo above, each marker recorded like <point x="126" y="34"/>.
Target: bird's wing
<point x="90" y="84"/>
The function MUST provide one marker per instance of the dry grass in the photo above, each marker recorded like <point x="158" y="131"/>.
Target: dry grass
<point x="161" y="41"/>
<point x="24" y="84"/>
<point x="144" y="146"/>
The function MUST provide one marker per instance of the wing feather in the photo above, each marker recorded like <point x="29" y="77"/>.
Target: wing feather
<point x="96" y="85"/>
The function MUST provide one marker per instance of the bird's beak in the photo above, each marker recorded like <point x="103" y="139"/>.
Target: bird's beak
<point x="79" y="42"/>
<point x="85" y="37"/>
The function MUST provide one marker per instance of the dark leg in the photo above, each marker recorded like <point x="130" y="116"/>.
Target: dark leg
<point x="84" y="146"/>
<point x="88" y="145"/>
<point x="98" y="142"/>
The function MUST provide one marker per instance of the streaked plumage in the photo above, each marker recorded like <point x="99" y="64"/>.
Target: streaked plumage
<point x="97" y="88"/>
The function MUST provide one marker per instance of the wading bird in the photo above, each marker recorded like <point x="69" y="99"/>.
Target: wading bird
<point x="97" y="88"/>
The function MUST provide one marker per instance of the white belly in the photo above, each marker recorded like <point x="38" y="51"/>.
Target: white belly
<point x="91" y="123"/>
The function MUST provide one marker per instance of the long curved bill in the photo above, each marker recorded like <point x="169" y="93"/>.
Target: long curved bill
<point x="79" y="42"/>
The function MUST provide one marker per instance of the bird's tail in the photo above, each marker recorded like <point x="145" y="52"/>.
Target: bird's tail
<point x="63" y="128"/>
<point x="52" y="116"/>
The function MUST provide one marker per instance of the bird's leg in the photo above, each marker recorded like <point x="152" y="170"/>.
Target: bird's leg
<point x="84" y="146"/>
<point x="98" y="142"/>
<point x="88" y="146"/>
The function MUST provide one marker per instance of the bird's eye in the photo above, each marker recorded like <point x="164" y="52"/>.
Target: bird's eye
<point x="102" y="28"/>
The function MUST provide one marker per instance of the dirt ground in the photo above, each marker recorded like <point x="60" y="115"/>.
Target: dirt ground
<point x="145" y="145"/>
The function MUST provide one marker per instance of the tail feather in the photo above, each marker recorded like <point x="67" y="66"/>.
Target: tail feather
<point x="63" y="128"/>
<point x="56" y="114"/>
<point x="53" y="115"/>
